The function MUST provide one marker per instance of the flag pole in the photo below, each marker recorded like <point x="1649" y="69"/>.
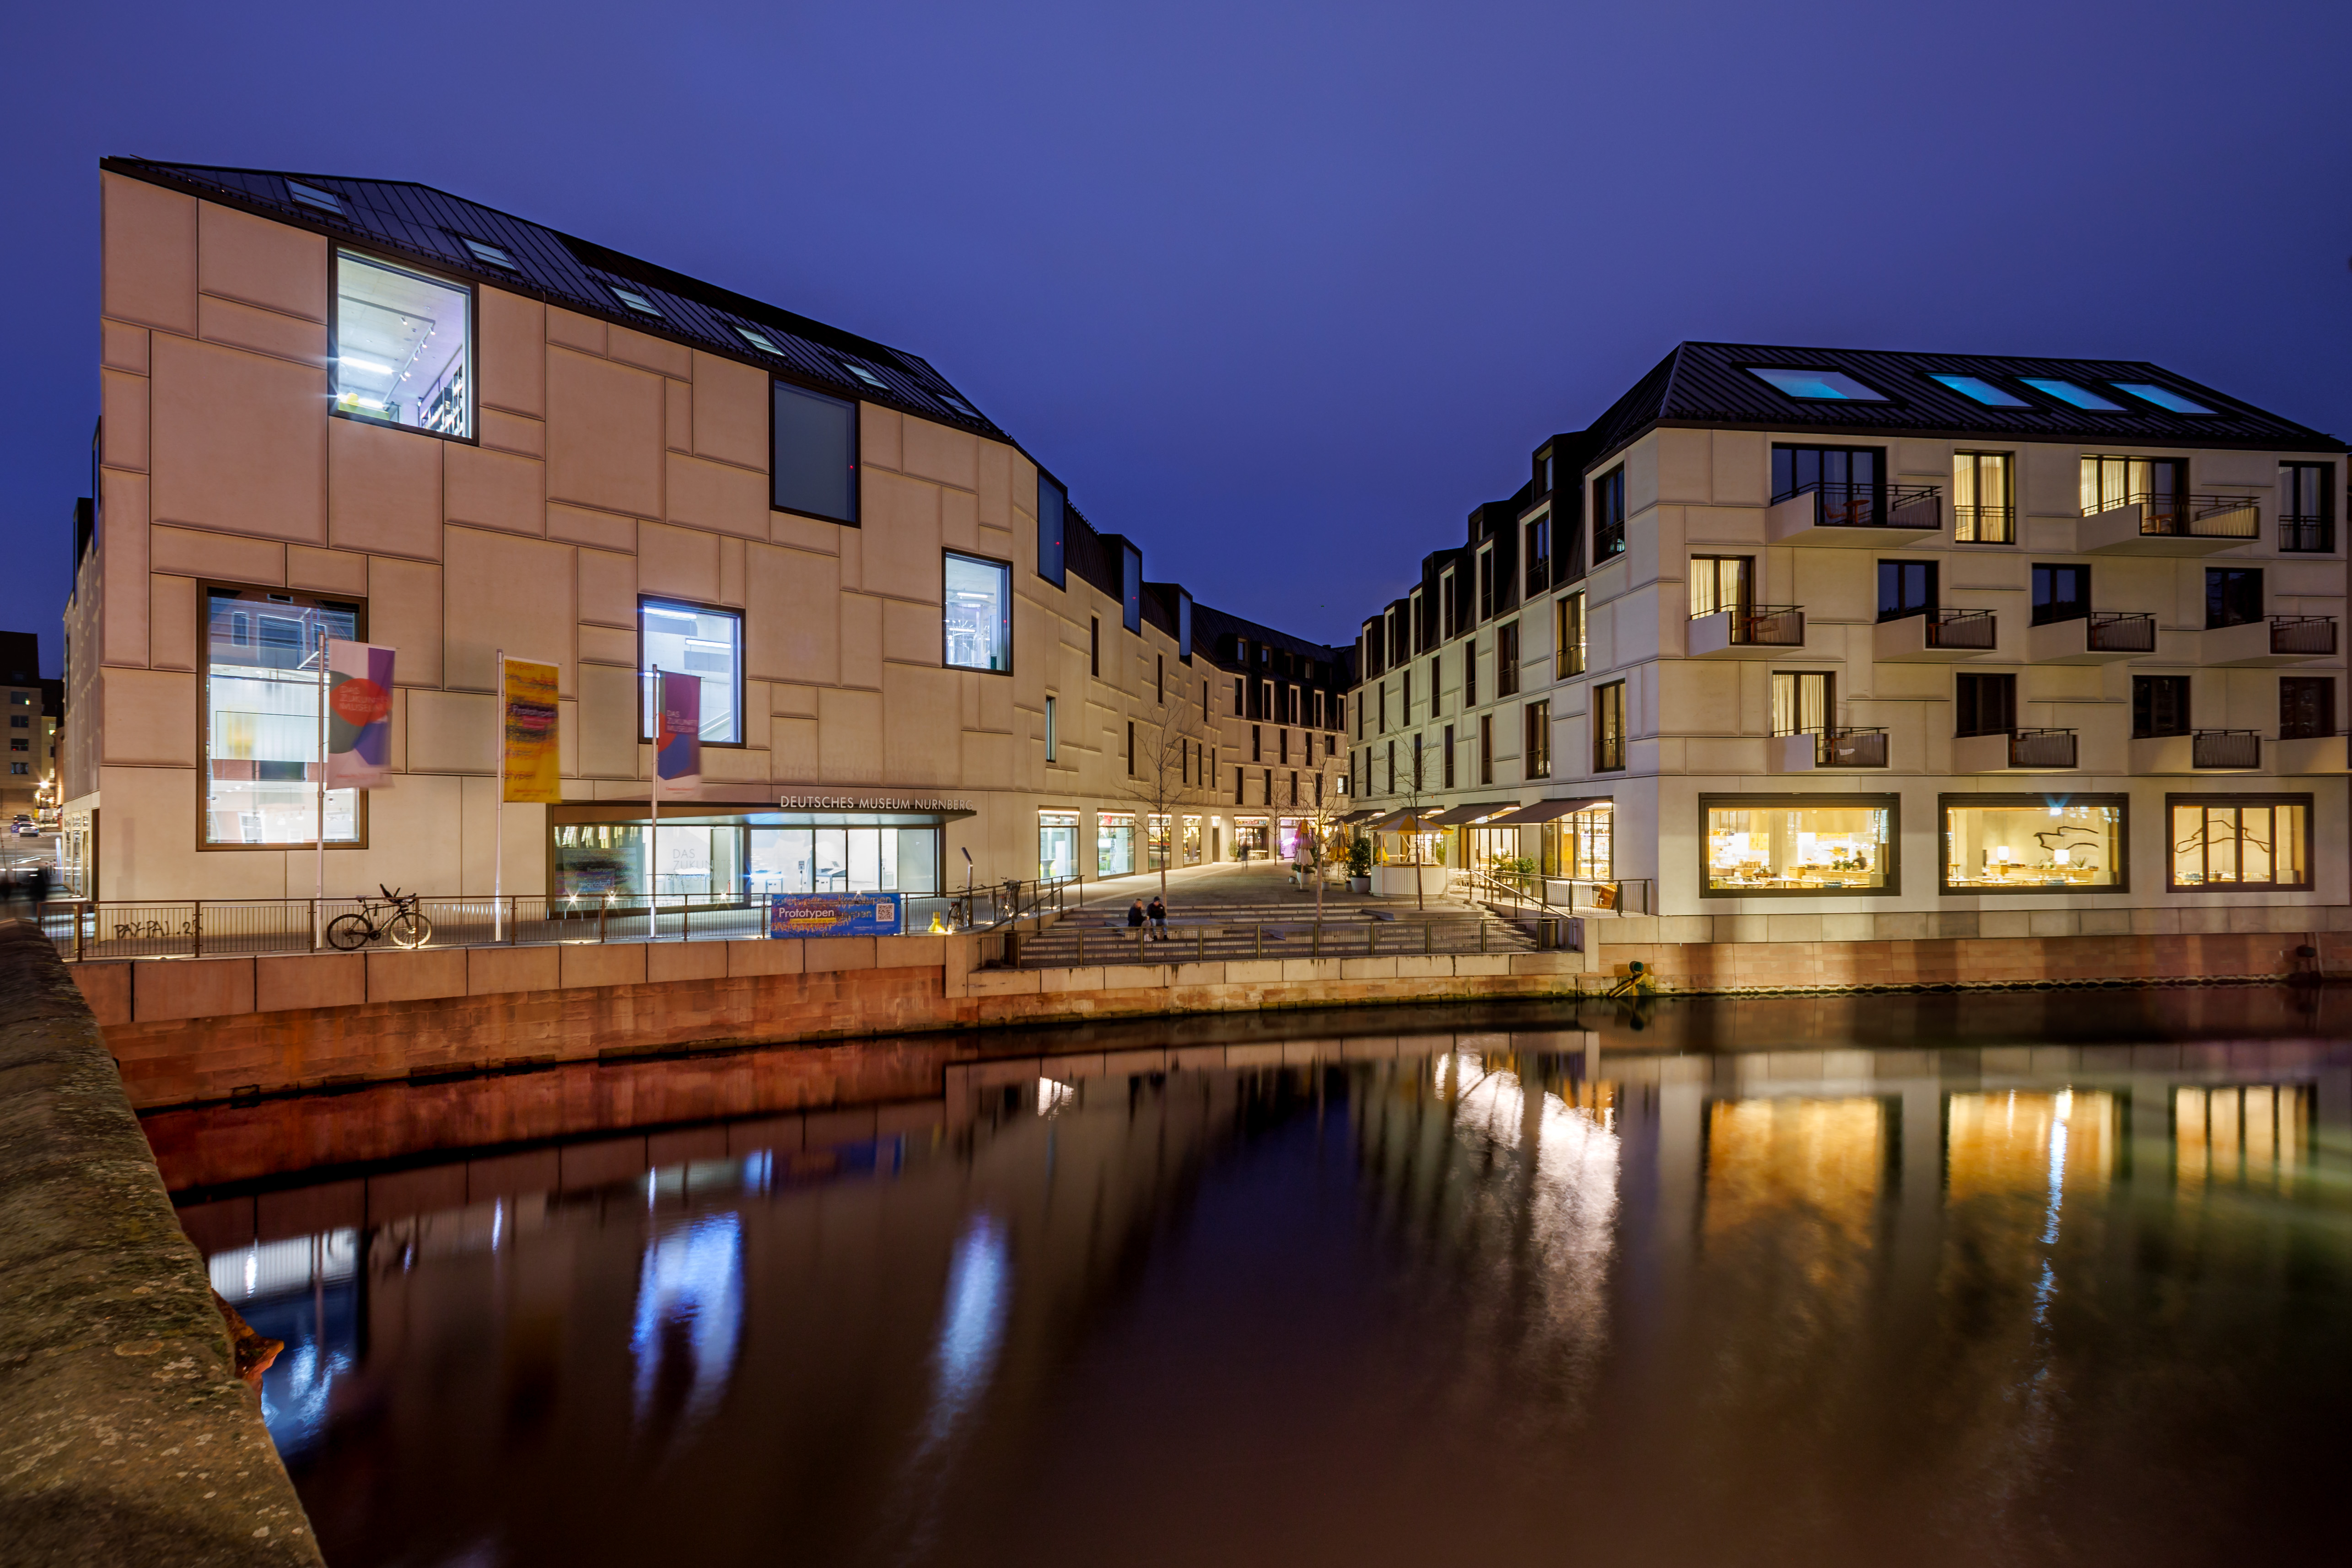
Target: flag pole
<point x="653" y="839"/>
<point x="317" y="911"/>
<point x="499" y="806"/>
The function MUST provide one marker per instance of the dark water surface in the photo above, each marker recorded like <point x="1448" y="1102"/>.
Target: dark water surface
<point x="1727" y="1288"/>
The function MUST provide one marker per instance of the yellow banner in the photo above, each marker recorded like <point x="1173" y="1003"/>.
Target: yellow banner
<point x="534" y="759"/>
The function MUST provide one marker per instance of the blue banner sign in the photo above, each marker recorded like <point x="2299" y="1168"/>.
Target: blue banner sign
<point x="836" y="914"/>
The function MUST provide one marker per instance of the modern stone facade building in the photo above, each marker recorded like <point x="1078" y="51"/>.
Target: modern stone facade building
<point x="373" y="410"/>
<point x="1848" y="644"/>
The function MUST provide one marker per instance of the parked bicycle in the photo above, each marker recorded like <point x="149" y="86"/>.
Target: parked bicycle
<point x="396" y="917"/>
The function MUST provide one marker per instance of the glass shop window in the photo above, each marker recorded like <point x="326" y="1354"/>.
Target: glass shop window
<point x="978" y="614"/>
<point x="403" y="347"/>
<point x="1057" y="846"/>
<point x="835" y="860"/>
<point x="697" y="641"/>
<point x="262" y="755"/>
<point x="1114" y="844"/>
<point x="814" y="442"/>
<point x="2224" y="843"/>
<point x="2001" y="843"/>
<point x="1799" y="847"/>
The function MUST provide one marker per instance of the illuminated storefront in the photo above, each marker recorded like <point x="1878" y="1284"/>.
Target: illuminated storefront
<point x="2035" y="844"/>
<point x="1114" y="843"/>
<point x="2227" y="843"/>
<point x="732" y="854"/>
<point x="1191" y="841"/>
<point x="1250" y="833"/>
<point x="1057" y="846"/>
<point x="1798" y="845"/>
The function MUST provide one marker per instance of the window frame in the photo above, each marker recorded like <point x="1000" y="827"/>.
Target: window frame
<point x="1934" y="600"/>
<point x="1610" y="695"/>
<point x="1053" y="740"/>
<point x="856" y="452"/>
<point x="2147" y="683"/>
<point x="1506" y="659"/>
<point x="2323" y="521"/>
<point x="2326" y="684"/>
<point x="1005" y="569"/>
<point x="1945" y="803"/>
<point x="1535" y="554"/>
<point x="2207" y="801"/>
<point x="1893" y="803"/>
<point x="1535" y="744"/>
<point x="1610" y="521"/>
<point x="205" y="588"/>
<point x="1968" y="719"/>
<point x="1060" y="576"/>
<point x="2054" y="570"/>
<point x="2006" y="506"/>
<point x="335" y="251"/>
<point x="1568" y="616"/>
<point x="742" y="657"/>
<point x="2220" y="575"/>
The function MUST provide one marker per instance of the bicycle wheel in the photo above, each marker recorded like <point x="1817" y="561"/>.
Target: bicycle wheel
<point x="346" y="934"/>
<point x="410" y="929"/>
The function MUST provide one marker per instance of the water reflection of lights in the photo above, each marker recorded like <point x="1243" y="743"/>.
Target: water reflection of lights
<point x="303" y="1291"/>
<point x="689" y="1321"/>
<point x="1053" y="1096"/>
<point x="971" y="1324"/>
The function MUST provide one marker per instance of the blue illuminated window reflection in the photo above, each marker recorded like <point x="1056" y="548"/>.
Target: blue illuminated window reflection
<point x="1982" y="391"/>
<point x="1817" y="385"/>
<point x="2067" y="392"/>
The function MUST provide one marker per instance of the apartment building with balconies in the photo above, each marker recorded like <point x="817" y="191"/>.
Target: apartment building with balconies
<point x="375" y="411"/>
<point x="1876" y="636"/>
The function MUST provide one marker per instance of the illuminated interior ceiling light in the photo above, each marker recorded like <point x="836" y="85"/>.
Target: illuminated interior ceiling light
<point x="370" y="366"/>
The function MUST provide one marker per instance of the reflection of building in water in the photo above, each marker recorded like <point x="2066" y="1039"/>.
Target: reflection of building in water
<point x="2255" y="1135"/>
<point x="690" y="1319"/>
<point x="2009" y="1142"/>
<point x="303" y="1291"/>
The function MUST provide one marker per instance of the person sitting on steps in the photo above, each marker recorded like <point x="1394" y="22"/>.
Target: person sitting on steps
<point x="1159" y="913"/>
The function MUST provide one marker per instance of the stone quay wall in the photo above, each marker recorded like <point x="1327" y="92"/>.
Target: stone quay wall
<point x="126" y="1437"/>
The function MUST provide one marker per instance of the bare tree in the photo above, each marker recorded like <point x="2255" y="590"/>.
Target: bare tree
<point x="1164" y="774"/>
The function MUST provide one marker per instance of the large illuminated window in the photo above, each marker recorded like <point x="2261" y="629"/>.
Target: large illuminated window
<point x="2035" y="844"/>
<point x="2233" y="843"/>
<point x="694" y="640"/>
<point x="403" y="344"/>
<point x="262" y="756"/>
<point x="1803" y="844"/>
<point x="978" y="610"/>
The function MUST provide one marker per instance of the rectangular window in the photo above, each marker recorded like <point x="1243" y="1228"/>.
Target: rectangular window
<point x="1569" y="635"/>
<point x="1803" y="701"/>
<point x="2060" y="594"/>
<point x="1486" y="748"/>
<point x="2035" y="844"/>
<point x="2238" y="842"/>
<point x="1160" y="680"/>
<point x="1720" y="583"/>
<point x="1257" y="743"/>
<point x="1322" y="709"/>
<point x="1983" y="510"/>
<point x="1851" y="481"/>
<point x="1241" y="701"/>
<point x="1130" y="585"/>
<point x="1269" y="785"/>
<point x="262" y="758"/>
<point x="979" y="612"/>
<point x="1130" y="748"/>
<point x="1984" y="704"/>
<point x="1905" y="588"/>
<point x="1506" y="659"/>
<point x="1470" y="673"/>
<point x="1052" y="508"/>
<point x="813" y="446"/>
<point x="1094" y="645"/>
<point x="1539" y="554"/>
<point x="2306" y="707"/>
<point x="1538" y="741"/>
<point x="2306" y="506"/>
<point x="1807" y="846"/>
<point x="1404" y="697"/>
<point x="1609" y="515"/>
<point x="403" y="347"/>
<point x="1183" y="627"/>
<point x="690" y="639"/>
<point x="1282" y="746"/>
<point x="1392" y="767"/>
<point x="2234" y="595"/>
<point x="1114" y="843"/>
<point x="1416" y="764"/>
<point x="1436" y="686"/>
<point x="2157" y="483"/>
<point x="1485" y="585"/>
<point x="1053" y="734"/>
<point x="1609" y="727"/>
<point x="2159" y="705"/>
<point x="1445" y="768"/>
<point x="1448" y="618"/>
<point x="1382" y="696"/>
<point x="1420" y="623"/>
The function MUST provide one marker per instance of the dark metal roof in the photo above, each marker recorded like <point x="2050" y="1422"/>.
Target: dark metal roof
<point x="1710" y="384"/>
<point x="428" y="226"/>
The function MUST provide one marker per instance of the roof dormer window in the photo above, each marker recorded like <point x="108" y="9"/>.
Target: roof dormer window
<point x="1815" y="385"/>
<point x="313" y="196"/>
<point x="634" y="301"/>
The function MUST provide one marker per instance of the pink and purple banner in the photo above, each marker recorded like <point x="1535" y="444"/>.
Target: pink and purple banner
<point x="677" y="743"/>
<point x="359" y="715"/>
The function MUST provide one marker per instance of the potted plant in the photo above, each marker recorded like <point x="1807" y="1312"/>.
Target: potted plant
<point x="1359" y="865"/>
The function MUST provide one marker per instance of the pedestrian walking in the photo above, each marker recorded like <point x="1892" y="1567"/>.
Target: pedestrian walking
<point x="1159" y="913"/>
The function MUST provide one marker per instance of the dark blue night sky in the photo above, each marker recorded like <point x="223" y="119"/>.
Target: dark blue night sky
<point x="1281" y="291"/>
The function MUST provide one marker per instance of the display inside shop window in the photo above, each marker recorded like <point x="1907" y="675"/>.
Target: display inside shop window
<point x="401" y="347"/>
<point x="1798" y="848"/>
<point x="2033" y="845"/>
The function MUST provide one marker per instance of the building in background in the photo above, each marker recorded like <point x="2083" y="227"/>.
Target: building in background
<point x="34" y="708"/>
<point x="1848" y="644"/>
<point x="361" y="409"/>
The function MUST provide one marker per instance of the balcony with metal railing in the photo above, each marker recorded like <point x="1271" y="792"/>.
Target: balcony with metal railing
<point x="2268" y="640"/>
<point x="1855" y="516"/>
<point x="1834" y="746"/>
<point x="1754" y="631"/>
<point x="2199" y="752"/>
<point x="1935" y="636"/>
<point x="1973" y="524"/>
<point x="2169" y="524"/>
<point x="2306" y="534"/>
<point x="2017" y="750"/>
<point x="2099" y="636"/>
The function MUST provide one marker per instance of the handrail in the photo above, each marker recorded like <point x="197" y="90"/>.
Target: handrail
<point x="2180" y="513"/>
<point x="1840" y="503"/>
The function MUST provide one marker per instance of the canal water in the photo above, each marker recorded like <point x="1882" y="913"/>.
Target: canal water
<point x="1923" y="1282"/>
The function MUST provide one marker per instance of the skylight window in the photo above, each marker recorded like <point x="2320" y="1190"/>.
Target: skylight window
<point x="760" y="341"/>
<point x="2162" y="396"/>
<point x="1816" y="386"/>
<point x="2067" y="392"/>
<point x="866" y="376"/>
<point x="1982" y="391"/>
<point x="633" y="301"/>
<point x="959" y="406"/>
<point x="490" y="254"/>
<point x="313" y="196"/>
